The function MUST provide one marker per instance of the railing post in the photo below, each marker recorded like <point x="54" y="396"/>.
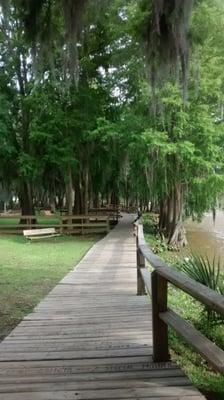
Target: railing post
<point x="140" y="264"/>
<point x="160" y="328"/>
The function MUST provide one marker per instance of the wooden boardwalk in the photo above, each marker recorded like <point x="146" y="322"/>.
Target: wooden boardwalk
<point x="91" y="337"/>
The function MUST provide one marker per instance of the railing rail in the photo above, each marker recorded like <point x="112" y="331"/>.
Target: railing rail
<point x="112" y="213"/>
<point x="82" y="224"/>
<point x="156" y="284"/>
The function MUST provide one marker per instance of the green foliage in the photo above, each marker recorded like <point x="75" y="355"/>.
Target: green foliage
<point x="150" y="223"/>
<point x="130" y="139"/>
<point x="208" y="273"/>
<point x="114" y="136"/>
<point x="202" y="270"/>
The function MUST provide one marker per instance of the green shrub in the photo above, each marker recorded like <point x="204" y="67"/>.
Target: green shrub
<point x="202" y="270"/>
<point x="149" y="222"/>
<point x="206" y="272"/>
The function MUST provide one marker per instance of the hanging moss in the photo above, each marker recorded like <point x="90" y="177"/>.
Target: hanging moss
<point x="38" y="17"/>
<point x="33" y="16"/>
<point x="167" y="40"/>
<point x="73" y="11"/>
<point x="4" y="4"/>
<point x="165" y="32"/>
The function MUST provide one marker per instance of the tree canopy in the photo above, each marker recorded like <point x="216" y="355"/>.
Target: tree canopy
<point x="108" y="102"/>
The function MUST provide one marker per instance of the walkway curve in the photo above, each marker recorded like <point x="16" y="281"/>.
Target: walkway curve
<point x="91" y="337"/>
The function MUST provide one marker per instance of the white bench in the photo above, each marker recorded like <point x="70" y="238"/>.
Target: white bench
<point x="40" y="233"/>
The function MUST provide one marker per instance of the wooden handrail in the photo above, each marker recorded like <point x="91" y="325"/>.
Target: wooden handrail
<point x="208" y="350"/>
<point x="200" y="292"/>
<point x="156" y="283"/>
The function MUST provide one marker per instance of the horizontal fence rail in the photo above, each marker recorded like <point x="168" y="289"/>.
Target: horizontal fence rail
<point x="112" y="213"/>
<point x="81" y="224"/>
<point x="156" y="284"/>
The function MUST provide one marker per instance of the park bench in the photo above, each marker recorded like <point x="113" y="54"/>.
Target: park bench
<point x="40" y="233"/>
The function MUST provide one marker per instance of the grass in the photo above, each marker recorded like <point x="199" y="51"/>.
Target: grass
<point x="208" y="381"/>
<point x="29" y="271"/>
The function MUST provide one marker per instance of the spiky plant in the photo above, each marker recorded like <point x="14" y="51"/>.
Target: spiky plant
<point x="206" y="272"/>
<point x="202" y="270"/>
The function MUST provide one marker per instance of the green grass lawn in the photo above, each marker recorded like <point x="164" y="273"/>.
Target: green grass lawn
<point x="29" y="271"/>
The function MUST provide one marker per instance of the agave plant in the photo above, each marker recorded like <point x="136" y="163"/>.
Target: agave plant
<point x="206" y="272"/>
<point x="202" y="270"/>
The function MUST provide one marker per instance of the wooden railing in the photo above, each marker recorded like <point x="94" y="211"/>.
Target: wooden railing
<point x="80" y="224"/>
<point x="112" y="213"/>
<point x="87" y="224"/>
<point x="156" y="284"/>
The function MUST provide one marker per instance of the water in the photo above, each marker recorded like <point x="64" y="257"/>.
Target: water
<point x="207" y="237"/>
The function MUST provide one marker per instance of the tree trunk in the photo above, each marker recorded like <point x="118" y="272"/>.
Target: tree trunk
<point x="162" y="216"/>
<point x="2" y="205"/>
<point x="60" y="200"/>
<point x="96" y="200"/>
<point x="26" y="202"/>
<point x="52" y="201"/>
<point x="177" y="236"/>
<point x="78" y="207"/>
<point x="171" y="215"/>
<point x="114" y="199"/>
<point x="69" y="192"/>
<point x="86" y="191"/>
<point x="109" y="196"/>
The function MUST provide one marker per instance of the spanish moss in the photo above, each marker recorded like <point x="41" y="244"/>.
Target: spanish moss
<point x="38" y="18"/>
<point x="73" y="11"/>
<point x="167" y="40"/>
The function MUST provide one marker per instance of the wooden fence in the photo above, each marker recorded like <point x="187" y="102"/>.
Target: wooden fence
<point x="75" y="224"/>
<point x="156" y="284"/>
<point x="112" y="213"/>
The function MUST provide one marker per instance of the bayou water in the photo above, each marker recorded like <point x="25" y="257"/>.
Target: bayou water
<point x="207" y="237"/>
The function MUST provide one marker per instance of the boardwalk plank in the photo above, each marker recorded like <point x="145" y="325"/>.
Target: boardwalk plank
<point x="91" y="337"/>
